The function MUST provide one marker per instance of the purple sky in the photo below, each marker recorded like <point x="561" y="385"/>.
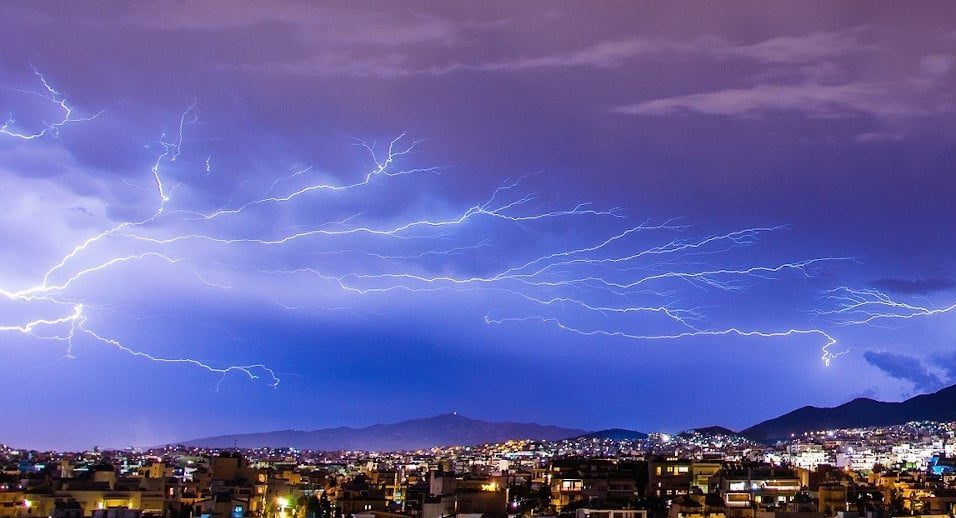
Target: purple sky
<point x="653" y="216"/>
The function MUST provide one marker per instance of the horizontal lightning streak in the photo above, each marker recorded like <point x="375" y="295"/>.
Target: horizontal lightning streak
<point x="827" y="355"/>
<point x="858" y="306"/>
<point x="571" y="277"/>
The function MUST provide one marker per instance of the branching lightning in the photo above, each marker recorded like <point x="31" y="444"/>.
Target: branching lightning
<point x="642" y="275"/>
<point x="864" y="306"/>
<point x="76" y="321"/>
<point x="50" y="94"/>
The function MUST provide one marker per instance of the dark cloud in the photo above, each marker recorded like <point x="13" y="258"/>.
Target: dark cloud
<point x="947" y="362"/>
<point x="914" y="286"/>
<point x="811" y="99"/>
<point x="906" y="368"/>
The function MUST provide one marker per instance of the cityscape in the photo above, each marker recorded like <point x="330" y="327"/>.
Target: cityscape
<point x="899" y="470"/>
<point x="477" y="259"/>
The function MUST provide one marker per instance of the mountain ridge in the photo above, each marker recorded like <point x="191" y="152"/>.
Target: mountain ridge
<point x="614" y="434"/>
<point x="452" y="429"/>
<point x="412" y="434"/>
<point x="858" y="413"/>
<point x="710" y="430"/>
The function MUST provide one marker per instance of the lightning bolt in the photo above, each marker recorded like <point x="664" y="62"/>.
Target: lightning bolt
<point x="862" y="306"/>
<point x="54" y="97"/>
<point x="382" y="168"/>
<point x="827" y="355"/>
<point x="643" y="272"/>
<point x="51" y="292"/>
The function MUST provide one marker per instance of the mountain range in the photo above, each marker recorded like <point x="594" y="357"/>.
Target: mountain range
<point x="615" y="434"/>
<point x="443" y="430"/>
<point x="709" y="430"/>
<point x="456" y="430"/>
<point x="861" y="412"/>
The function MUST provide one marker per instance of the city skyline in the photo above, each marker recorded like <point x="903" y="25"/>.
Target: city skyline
<point x="298" y="215"/>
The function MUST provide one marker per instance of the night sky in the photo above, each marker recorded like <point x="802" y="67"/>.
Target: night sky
<point x="644" y="215"/>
